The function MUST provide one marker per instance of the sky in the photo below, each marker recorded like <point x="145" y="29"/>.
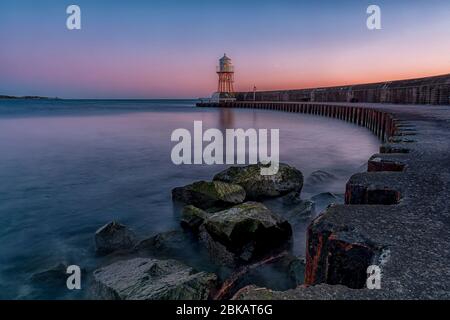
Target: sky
<point x="169" y="49"/>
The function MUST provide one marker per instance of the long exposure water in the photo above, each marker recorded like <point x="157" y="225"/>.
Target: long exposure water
<point x="67" y="167"/>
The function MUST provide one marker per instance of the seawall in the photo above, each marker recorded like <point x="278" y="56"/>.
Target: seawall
<point x="396" y="215"/>
<point x="429" y="90"/>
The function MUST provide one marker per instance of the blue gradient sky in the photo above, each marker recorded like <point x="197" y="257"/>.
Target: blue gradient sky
<point x="161" y="49"/>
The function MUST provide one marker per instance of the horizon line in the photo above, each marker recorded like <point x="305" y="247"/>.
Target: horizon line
<point x="37" y="97"/>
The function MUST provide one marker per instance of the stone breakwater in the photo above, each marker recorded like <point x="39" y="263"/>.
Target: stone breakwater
<point x="429" y="90"/>
<point x="396" y="215"/>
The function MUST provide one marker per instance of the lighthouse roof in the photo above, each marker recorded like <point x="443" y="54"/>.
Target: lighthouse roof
<point x="225" y="58"/>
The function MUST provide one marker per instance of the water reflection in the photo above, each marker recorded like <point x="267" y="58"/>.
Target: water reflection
<point x="226" y="119"/>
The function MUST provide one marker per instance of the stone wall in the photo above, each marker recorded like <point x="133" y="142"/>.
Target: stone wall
<point x="430" y="90"/>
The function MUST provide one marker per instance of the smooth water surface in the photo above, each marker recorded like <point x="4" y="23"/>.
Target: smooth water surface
<point x="68" y="167"/>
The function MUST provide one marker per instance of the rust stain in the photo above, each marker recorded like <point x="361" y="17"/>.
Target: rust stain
<point x="230" y="283"/>
<point x="312" y="263"/>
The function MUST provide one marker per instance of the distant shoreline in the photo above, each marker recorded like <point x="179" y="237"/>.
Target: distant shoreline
<point x="28" y="98"/>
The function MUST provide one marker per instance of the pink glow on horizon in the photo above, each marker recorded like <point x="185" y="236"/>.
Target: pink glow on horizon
<point x="170" y="50"/>
<point x="127" y="73"/>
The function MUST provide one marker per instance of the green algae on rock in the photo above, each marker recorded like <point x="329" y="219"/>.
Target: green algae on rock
<point x="257" y="186"/>
<point x="206" y="195"/>
<point x="193" y="217"/>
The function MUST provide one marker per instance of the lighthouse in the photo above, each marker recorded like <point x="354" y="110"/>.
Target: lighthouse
<point x="225" y="71"/>
<point x="225" y="89"/>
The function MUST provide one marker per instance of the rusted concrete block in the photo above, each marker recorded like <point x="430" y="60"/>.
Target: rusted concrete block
<point x="374" y="188"/>
<point x="379" y="164"/>
<point x="337" y="254"/>
<point x="372" y="194"/>
<point x="355" y="193"/>
<point x="382" y="195"/>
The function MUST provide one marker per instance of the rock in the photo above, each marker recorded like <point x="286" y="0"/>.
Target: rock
<point x="167" y="243"/>
<point x="244" y="232"/>
<point x="323" y="200"/>
<point x="326" y="196"/>
<point x="320" y="177"/>
<point x="295" y="211"/>
<point x="218" y="252"/>
<point x="152" y="279"/>
<point x="291" y="198"/>
<point x="206" y="195"/>
<point x="175" y="244"/>
<point x="257" y="186"/>
<point x="193" y="217"/>
<point x="55" y="276"/>
<point x="112" y="237"/>
<point x="49" y="283"/>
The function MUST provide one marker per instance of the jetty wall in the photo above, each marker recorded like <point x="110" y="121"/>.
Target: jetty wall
<point x="395" y="217"/>
<point x="381" y="123"/>
<point x="429" y="90"/>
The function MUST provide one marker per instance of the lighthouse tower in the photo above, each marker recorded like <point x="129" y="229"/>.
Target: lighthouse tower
<point x="225" y="70"/>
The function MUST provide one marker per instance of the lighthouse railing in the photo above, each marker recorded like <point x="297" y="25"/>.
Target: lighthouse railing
<point x="225" y="69"/>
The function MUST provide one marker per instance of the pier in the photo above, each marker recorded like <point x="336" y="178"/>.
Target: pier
<point x="396" y="215"/>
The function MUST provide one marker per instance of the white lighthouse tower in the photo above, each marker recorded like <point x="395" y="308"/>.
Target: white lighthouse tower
<point x="225" y="88"/>
<point x="225" y="71"/>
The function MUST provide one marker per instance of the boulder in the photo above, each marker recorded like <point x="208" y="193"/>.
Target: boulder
<point x="50" y="282"/>
<point x="320" y="177"/>
<point x="192" y="217"/>
<point x="244" y="232"/>
<point x="152" y="279"/>
<point x="207" y="195"/>
<point x="257" y="186"/>
<point x="54" y="276"/>
<point x="114" y="236"/>
<point x="176" y="244"/>
<point x="168" y="243"/>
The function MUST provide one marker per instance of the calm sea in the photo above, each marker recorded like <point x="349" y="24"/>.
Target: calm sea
<point x="68" y="167"/>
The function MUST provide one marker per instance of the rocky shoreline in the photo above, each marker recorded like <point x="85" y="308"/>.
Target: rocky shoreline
<point x="230" y="229"/>
<point x="395" y="216"/>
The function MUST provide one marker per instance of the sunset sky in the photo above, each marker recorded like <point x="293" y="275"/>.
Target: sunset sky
<point x="169" y="49"/>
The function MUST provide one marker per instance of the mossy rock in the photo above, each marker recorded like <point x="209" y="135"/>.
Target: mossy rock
<point x="192" y="217"/>
<point x="248" y="230"/>
<point x="287" y="179"/>
<point x="206" y="195"/>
